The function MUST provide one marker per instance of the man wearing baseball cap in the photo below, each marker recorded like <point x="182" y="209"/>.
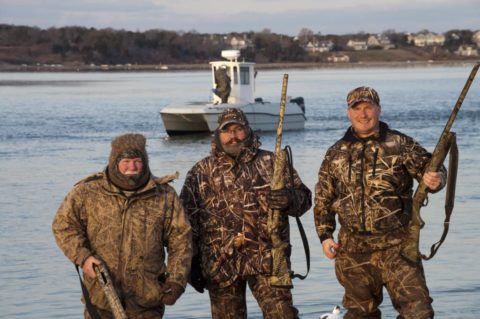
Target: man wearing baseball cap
<point x="366" y="179"/>
<point x="227" y="196"/>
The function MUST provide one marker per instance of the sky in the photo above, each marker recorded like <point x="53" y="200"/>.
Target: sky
<point x="279" y="16"/>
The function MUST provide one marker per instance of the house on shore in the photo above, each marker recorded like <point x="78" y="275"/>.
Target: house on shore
<point x="357" y="45"/>
<point x="476" y="38"/>
<point x="467" y="50"/>
<point x="423" y="39"/>
<point x="316" y="46"/>
<point x="379" y="41"/>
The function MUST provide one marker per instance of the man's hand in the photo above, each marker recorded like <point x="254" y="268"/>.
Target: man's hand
<point x="171" y="292"/>
<point x="330" y="248"/>
<point x="433" y="180"/>
<point x="87" y="267"/>
<point x="280" y="199"/>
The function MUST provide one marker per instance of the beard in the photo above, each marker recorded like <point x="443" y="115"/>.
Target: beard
<point x="233" y="149"/>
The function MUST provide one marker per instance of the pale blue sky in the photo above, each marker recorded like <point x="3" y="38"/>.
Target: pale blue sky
<point x="280" y="16"/>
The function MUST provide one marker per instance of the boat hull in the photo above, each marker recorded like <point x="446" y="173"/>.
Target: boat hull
<point x="199" y="118"/>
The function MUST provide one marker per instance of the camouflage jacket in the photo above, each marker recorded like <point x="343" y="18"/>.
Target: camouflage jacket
<point x="368" y="184"/>
<point x="225" y="198"/>
<point x="129" y="234"/>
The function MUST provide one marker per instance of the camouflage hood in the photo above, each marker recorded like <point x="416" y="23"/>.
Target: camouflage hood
<point x="128" y="146"/>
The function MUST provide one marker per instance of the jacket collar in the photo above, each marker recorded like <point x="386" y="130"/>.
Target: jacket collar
<point x="350" y="135"/>
<point x="111" y="188"/>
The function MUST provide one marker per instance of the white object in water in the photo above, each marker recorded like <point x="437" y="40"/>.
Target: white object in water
<point x="335" y="314"/>
<point x="196" y="117"/>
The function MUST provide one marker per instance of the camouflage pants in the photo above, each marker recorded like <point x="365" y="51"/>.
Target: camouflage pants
<point x="229" y="302"/>
<point x="364" y="275"/>
<point x="147" y="314"/>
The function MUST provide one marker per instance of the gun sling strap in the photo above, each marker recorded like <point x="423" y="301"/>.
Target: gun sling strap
<point x="92" y="310"/>
<point x="306" y="247"/>
<point x="450" y="194"/>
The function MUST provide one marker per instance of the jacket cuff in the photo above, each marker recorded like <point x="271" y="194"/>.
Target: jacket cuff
<point x="82" y="255"/>
<point x="325" y="236"/>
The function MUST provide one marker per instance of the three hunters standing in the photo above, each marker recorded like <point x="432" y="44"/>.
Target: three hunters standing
<point x="216" y="231"/>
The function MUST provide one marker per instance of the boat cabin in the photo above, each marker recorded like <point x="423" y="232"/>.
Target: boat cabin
<point x="241" y="78"/>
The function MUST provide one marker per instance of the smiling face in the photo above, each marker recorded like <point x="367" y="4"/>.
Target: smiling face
<point x="365" y="118"/>
<point x="130" y="166"/>
<point x="233" y="134"/>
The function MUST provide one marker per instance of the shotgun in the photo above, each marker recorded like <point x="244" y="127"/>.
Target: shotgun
<point x="280" y="276"/>
<point x="411" y="250"/>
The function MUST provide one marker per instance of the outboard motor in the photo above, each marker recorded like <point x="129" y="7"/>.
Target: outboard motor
<point x="300" y="102"/>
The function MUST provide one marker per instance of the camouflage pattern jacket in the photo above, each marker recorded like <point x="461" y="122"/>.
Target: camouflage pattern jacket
<point x="368" y="184"/>
<point x="129" y="235"/>
<point x="225" y="198"/>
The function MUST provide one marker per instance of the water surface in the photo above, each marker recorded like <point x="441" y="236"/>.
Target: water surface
<point x="56" y="128"/>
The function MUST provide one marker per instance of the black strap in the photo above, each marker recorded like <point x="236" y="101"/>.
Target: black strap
<point x="306" y="247"/>
<point x="450" y="196"/>
<point x="92" y="310"/>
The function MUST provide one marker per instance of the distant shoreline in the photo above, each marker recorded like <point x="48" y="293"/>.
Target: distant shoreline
<point x="205" y="67"/>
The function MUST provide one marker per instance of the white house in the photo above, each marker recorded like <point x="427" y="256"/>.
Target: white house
<point x="476" y="38"/>
<point x="239" y="43"/>
<point x="423" y="39"/>
<point x="357" y="45"/>
<point x="467" y="50"/>
<point x="319" y="46"/>
<point x="381" y="41"/>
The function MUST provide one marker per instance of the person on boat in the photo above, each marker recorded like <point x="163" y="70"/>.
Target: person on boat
<point x="124" y="217"/>
<point x="227" y="196"/>
<point x="366" y="178"/>
<point x="222" y="84"/>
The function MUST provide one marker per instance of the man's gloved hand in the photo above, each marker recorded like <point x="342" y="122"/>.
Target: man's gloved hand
<point x="280" y="199"/>
<point x="171" y="292"/>
<point x="196" y="279"/>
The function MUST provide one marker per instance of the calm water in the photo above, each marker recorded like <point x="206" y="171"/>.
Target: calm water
<point x="56" y="128"/>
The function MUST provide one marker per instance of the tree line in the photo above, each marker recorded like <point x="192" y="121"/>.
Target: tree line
<point x="28" y="45"/>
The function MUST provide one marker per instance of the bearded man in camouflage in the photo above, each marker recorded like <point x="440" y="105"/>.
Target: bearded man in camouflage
<point x="123" y="217"/>
<point x="366" y="179"/>
<point x="227" y="196"/>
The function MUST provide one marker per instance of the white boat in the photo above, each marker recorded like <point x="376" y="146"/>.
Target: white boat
<point x="262" y="115"/>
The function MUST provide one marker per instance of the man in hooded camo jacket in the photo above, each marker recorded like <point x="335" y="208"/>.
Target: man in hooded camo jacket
<point x="366" y="179"/>
<point x="227" y="196"/>
<point x="123" y="217"/>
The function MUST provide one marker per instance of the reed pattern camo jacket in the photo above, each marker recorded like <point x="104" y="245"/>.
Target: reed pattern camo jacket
<point x="224" y="198"/>
<point x="368" y="184"/>
<point x="129" y="234"/>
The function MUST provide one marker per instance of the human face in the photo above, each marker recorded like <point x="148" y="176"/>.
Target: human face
<point x="130" y="166"/>
<point x="232" y="134"/>
<point x="365" y="118"/>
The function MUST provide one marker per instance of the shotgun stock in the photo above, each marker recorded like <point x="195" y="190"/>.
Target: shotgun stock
<point x="411" y="250"/>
